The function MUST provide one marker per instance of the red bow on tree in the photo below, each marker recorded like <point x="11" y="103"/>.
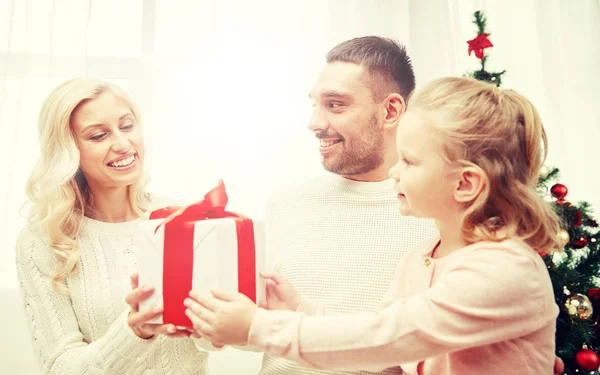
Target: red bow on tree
<point x="478" y="44"/>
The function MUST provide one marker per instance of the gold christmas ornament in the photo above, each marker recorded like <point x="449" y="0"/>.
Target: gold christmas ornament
<point x="544" y="171"/>
<point x="563" y="237"/>
<point x="579" y="306"/>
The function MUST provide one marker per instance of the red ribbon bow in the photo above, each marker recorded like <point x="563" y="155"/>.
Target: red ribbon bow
<point x="478" y="44"/>
<point x="178" y="255"/>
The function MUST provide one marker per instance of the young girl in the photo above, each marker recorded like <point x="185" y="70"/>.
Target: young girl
<point x="476" y="300"/>
<point x="75" y="258"/>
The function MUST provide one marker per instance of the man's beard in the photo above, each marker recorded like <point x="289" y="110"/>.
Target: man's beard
<point x="362" y="154"/>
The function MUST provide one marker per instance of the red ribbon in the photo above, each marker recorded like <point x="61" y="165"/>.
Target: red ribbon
<point x="178" y="255"/>
<point x="478" y="44"/>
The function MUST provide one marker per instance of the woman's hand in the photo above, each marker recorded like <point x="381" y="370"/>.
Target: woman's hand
<point x="138" y="321"/>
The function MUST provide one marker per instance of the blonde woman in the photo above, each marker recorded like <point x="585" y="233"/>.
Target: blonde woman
<point x="75" y="257"/>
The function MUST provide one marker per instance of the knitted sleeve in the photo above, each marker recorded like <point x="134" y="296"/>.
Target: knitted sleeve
<point x="57" y="340"/>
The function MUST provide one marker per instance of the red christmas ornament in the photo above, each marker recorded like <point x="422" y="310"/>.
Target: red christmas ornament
<point x="587" y="360"/>
<point x="559" y="191"/>
<point x="478" y="44"/>
<point x="594" y="294"/>
<point x="579" y="243"/>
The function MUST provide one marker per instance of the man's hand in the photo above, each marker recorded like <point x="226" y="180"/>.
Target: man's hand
<point x="281" y="295"/>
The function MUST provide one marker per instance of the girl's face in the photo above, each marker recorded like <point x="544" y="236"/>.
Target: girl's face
<point x="424" y="180"/>
<point x="110" y="142"/>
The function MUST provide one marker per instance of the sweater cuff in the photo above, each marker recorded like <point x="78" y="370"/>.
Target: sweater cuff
<point x="203" y="345"/>
<point x="310" y="308"/>
<point x="275" y="332"/>
<point x="126" y="343"/>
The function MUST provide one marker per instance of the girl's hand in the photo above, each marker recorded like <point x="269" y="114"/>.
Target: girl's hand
<point x="559" y="366"/>
<point x="223" y="318"/>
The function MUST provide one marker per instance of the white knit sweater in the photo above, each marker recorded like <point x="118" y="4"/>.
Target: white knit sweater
<point x="338" y="242"/>
<point x="86" y="332"/>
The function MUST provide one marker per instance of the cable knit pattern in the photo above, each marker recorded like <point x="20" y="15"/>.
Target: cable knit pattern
<point x="338" y="242"/>
<point x="86" y="332"/>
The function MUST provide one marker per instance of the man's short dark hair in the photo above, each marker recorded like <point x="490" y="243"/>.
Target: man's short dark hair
<point x="385" y="60"/>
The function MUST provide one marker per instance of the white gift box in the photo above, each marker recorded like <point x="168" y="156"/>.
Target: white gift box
<point x="215" y="258"/>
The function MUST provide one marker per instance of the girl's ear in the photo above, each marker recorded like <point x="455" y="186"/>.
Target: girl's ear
<point x="470" y="185"/>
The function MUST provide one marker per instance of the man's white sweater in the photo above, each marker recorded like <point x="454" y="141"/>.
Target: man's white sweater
<point x="338" y="242"/>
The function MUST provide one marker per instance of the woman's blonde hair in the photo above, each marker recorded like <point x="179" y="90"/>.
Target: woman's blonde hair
<point x="500" y="133"/>
<point x="57" y="189"/>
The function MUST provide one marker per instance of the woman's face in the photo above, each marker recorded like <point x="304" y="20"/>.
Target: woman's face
<point x="110" y="142"/>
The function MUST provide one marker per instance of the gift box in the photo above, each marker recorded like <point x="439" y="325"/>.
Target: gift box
<point x="200" y="246"/>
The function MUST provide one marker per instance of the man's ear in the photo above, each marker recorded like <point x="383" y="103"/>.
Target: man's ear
<point x="471" y="182"/>
<point x="395" y="106"/>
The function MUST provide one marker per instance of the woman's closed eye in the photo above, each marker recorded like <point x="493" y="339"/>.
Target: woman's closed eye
<point x="97" y="137"/>
<point x="100" y="136"/>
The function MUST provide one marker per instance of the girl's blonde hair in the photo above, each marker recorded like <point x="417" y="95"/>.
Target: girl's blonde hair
<point x="500" y="133"/>
<point x="57" y="189"/>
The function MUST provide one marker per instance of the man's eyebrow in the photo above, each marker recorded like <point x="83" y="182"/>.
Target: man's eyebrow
<point x="332" y="94"/>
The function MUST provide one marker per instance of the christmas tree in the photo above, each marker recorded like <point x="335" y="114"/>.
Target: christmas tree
<point x="573" y="270"/>
<point x="479" y="45"/>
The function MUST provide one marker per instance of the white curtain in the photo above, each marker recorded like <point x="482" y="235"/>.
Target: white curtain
<point x="223" y="84"/>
